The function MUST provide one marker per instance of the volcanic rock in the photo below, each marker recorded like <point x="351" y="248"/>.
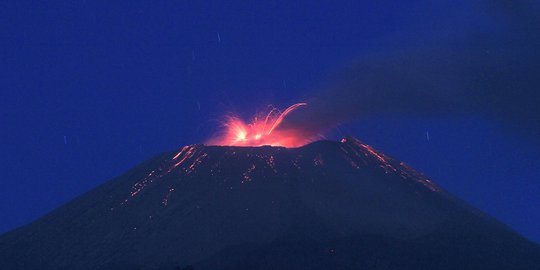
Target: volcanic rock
<point x="326" y="205"/>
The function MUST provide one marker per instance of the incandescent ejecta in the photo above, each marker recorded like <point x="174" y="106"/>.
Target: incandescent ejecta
<point x="262" y="130"/>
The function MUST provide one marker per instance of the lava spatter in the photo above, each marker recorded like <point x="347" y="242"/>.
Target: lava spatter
<point x="262" y="130"/>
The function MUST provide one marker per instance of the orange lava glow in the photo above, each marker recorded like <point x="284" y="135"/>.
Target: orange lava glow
<point x="262" y="130"/>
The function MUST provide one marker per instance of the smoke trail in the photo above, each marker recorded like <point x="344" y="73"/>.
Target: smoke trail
<point x="493" y="71"/>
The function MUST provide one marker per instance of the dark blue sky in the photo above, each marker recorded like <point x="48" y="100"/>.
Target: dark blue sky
<point x="90" y="89"/>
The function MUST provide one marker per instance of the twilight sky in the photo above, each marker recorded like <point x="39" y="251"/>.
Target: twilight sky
<point x="89" y="89"/>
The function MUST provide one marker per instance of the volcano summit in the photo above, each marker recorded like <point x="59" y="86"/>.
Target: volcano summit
<point x="326" y="205"/>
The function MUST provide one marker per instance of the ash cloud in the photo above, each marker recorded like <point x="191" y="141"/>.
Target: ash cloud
<point x="491" y="70"/>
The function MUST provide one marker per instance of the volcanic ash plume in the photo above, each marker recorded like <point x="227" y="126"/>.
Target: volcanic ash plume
<point x="488" y="69"/>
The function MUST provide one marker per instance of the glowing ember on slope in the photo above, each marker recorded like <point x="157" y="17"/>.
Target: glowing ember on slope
<point x="263" y="130"/>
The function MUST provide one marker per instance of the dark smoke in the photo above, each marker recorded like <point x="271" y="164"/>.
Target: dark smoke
<point x="491" y="70"/>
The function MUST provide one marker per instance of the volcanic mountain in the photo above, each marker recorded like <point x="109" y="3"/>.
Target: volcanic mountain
<point x="326" y="205"/>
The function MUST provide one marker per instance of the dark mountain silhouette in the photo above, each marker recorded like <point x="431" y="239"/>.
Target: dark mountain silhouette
<point x="327" y="205"/>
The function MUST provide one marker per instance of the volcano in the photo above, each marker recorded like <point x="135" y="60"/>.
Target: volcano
<point x="326" y="205"/>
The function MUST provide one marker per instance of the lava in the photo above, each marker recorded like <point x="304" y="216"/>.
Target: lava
<point x="262" y="130"/>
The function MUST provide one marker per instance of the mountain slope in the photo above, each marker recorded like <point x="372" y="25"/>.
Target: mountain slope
<point x="327" y="205"/>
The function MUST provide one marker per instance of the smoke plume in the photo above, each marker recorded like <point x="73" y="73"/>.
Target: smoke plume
<point x="492" y="70"/>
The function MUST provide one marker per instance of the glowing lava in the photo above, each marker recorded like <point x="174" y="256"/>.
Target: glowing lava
<point x="263" y="130"/>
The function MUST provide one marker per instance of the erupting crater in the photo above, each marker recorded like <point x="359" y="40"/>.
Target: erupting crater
<point x="262" y="130"/>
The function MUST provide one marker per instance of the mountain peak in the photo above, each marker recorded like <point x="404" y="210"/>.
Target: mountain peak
<point x="232" y="207"/>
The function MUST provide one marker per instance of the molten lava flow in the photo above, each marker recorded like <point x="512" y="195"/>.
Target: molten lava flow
<point x="263" y="130"/>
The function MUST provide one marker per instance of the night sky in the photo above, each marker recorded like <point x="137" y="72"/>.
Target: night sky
<point x="88" y="90"/>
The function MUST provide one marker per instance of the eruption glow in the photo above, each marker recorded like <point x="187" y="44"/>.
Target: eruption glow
<point x="263" y="130"/>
